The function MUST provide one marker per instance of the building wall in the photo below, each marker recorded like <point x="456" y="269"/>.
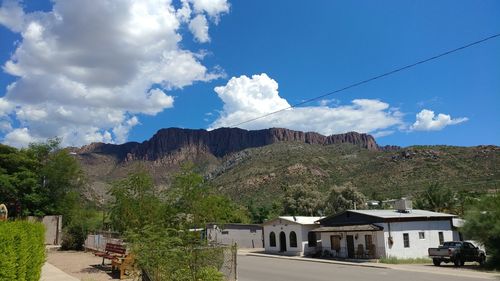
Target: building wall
<point x="418" y="247"/>
<point x="308" y="250"/>
<point x="287" y="227"/>
<point x="377" y="239"/>
<point x="53" y="228"/>
<point x="245" y="236"/>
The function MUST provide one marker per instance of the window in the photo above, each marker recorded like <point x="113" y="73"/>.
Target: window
<point x="441" y="238"/>
<point x="272" y="239"/>
<point x="312" y="241"/>
<point x="253" y="230"/>
<point x="335" y="242"/>
<point x="406" y="240"/>
<point x="368" y="241"/>
<point x="293" y="239"/>
<point x="421" y="235"/>
<point x="225" y="232"/>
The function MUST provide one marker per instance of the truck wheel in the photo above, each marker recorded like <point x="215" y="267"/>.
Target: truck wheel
<point x="457" y="261"/>
<point x="482" y="260"/>
<point x="436" y="262"/>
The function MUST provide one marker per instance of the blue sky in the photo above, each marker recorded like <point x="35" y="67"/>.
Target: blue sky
<point x="102" y="71"/>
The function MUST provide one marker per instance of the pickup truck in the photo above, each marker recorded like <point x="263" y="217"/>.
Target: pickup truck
<point x="457" y="252"/>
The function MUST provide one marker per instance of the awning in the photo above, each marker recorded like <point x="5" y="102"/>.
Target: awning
<point x="348" y="228"/>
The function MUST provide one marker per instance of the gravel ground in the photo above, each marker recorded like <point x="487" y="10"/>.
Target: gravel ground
<point x="84" y="266"/>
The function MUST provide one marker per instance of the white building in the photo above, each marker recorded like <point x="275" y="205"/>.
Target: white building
<point x="246" y="236"/>
<point x="291" y="235"/>
<point x="384" y="233"/>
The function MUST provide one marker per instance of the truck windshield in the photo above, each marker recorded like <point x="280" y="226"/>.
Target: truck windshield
<point x="452" y="244"/>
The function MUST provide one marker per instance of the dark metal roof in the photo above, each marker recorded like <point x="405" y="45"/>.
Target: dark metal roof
<point x="347" y="228"/>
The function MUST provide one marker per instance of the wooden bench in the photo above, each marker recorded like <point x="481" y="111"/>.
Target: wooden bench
<point x="112" y="251"/>
<point x="123" y="264"/>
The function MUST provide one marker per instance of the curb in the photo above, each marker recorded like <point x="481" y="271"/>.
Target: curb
<point x="318" y="260"/>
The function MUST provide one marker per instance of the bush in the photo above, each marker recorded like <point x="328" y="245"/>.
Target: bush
<point x="22" y="250"/>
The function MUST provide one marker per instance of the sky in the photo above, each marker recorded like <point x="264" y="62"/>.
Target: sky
<point x="117" y="71"/>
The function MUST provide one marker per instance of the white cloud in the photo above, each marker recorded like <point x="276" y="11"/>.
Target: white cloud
<point x="213" y="8"/>
<point x="19" y="138"/>
<point x="428" y="121"/>
<point x="12" y="15"/>
<point x="86" y="68"/>
<point x="246" y="98"/>
<point x="199" y="28"/>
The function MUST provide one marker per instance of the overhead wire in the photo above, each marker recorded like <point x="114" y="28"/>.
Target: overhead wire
<point x="371" y="79"/>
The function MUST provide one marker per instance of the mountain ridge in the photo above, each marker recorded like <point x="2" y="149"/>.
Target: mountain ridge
<point x="221" y="142"/>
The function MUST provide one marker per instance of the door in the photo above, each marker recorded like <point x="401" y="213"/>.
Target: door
<point x="350" y="246"/>
<point x="282" y="242"/>
<point x="470" y="252"/>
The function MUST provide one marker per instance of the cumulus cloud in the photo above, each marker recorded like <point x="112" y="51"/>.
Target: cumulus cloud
<point x="19" y="137"/>
<point x="428" y="121"/>
<point x="250" y="97"/>
<point x="214" y="8"/>
<point x="12" y="15"/>
<point x="199" y="28"/>
<point x="85" y="69"/>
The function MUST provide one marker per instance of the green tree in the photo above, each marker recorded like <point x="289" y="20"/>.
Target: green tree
<point x="261" y="213"/>
<point x="164" y="238"/>
<point x="191" y="201"/>
<point x="344" y="198"/>
<point x="300" y="200"/>
<point x="482" y="223"/>
<point x="136" y="202"/>
<point x="38" y="179"/>
<point x="436" y="198"/>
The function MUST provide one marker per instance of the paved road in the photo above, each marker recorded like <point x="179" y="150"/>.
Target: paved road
<point x="252" y="268"/>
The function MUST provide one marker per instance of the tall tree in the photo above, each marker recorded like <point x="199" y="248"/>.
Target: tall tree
<point x="482" y="223"/>
<point x="37" y="179"/>
<point x="136" y="202"/>
<point x="344" y="198"/>
<point x="302" y="200"/>
<point x="436" y="198"/>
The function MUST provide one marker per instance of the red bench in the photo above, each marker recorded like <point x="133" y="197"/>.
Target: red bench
<point x="112" y="252"/>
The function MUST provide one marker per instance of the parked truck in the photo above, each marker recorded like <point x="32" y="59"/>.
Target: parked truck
<point x="457" y="252"/>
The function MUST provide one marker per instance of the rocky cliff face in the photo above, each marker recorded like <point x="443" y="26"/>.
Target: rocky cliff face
<point x="219" y="142"/>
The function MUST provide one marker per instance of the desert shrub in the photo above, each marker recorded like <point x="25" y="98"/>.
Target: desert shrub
<point x="22" y="250"/>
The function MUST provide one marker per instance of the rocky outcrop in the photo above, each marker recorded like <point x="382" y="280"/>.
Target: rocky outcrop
<point x="219" y="142"/>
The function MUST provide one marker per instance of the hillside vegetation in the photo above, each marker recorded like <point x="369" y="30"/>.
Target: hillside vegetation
<point x="264" y="174"/>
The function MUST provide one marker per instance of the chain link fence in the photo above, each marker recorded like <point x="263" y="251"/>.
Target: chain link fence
<point x="222" y="257"/>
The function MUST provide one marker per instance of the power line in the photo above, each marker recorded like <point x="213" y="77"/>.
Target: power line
<point x="370" y="79"/>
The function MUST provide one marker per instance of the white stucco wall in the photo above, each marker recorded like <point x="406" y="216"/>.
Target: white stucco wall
<point x="287" y="227"/>
<point x="377" y="239"/>
<point x="243" y="237"/>
<point x="418" y="247"/>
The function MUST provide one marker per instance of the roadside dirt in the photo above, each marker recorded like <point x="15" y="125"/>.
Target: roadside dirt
<point x="84" y="266"/>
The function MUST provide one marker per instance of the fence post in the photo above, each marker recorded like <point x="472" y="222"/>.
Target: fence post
<point x="235" y="257"/>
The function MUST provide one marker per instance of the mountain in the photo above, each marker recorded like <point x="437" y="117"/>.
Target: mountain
<point x="247" y="164"/>
<point x="219" y="142"/>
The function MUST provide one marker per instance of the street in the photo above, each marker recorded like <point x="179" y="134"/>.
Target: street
<point x="251" y="268"/>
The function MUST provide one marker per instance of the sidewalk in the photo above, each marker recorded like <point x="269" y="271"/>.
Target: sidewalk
<point x="52" y="273"/>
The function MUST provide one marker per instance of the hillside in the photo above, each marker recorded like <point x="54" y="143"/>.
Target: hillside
<point x="378" y="174"/>
<point x="249" y="164"/>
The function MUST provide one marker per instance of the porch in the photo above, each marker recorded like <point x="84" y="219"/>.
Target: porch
<point x="352" y="241"/>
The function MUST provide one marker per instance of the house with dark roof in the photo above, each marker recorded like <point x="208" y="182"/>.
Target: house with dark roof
<point x="401" y="233"/>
